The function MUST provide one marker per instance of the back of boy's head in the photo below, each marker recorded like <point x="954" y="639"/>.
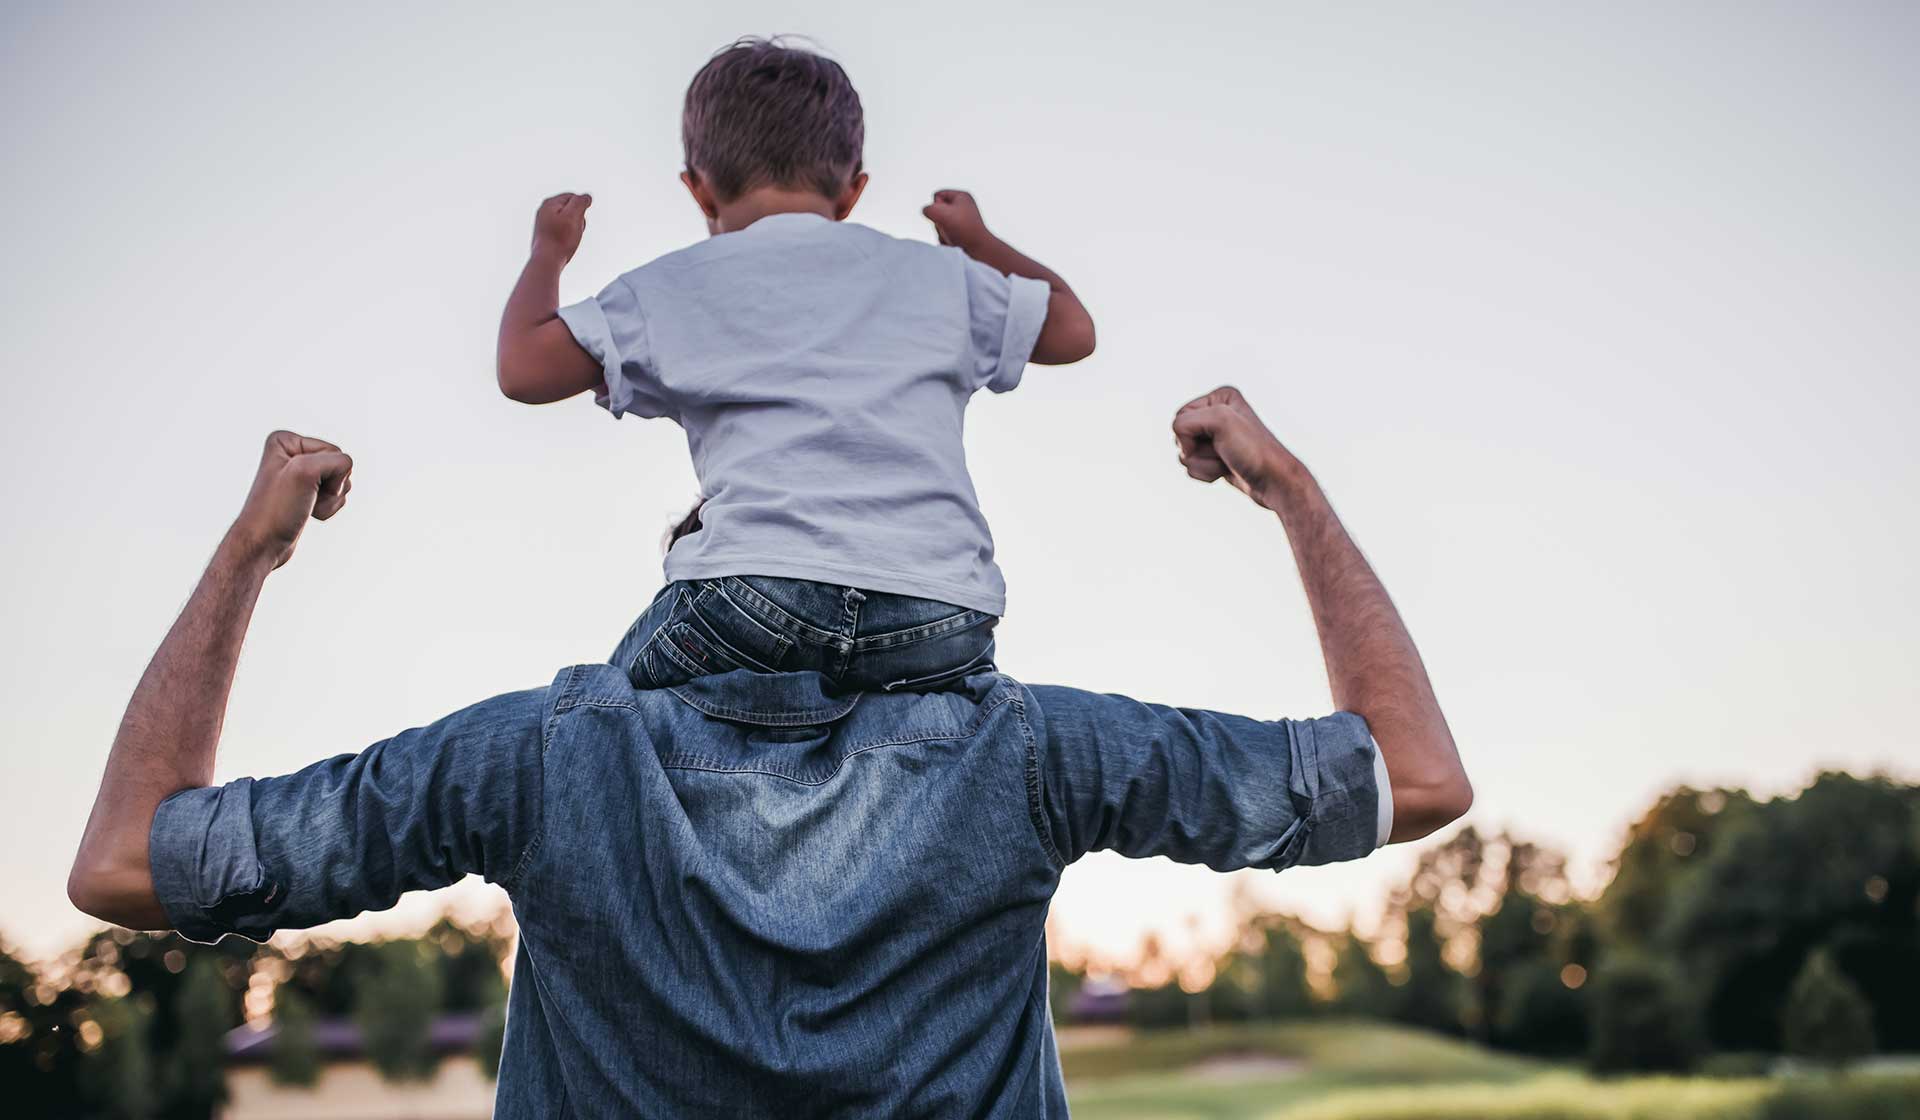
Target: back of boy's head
<point x="761" y="113"/>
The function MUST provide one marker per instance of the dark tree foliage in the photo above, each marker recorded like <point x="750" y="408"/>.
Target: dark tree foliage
<point x="40" y="1061"/>
<point x="1430" y="993"/>
<point x="327" y="974"/>
<point x="1496" y="901"/>
<point x="1670" y="842"/>
<point x="1835" y="865"/>
<point x="203" y="1012"/>
<point x="1540" y="1013"/>
<point x="194" y="993"/>
<point x="1883" y="964"/>
<point x="119" y="1076"/>
<point x="469" y="959"/>
<point x="1160" y="1007"/>
<point x="1745" y="925"/>
<point x="1063" y="984"/>
<point x="1360" y="985"/>
<point x="1513" y="938"/>
<point x="492" y="1038"/>
<point x="1263" y="977"/>
<point x="296" y="1056"/>
<point x="489" y="989"/>
<point x="1640" y="1022"/>
<point x="1282" y="990"/>
<point x="1451" y="883"/>
<point x="395" y="1002"/>
<point x="1826" y="1017"/>
<point x="1234" y="994"/>
<point x="157" y="1010"/>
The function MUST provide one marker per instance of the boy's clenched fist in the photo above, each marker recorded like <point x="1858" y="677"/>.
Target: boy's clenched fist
<point x="559" y="224"/>
<point x="956" y="218"/>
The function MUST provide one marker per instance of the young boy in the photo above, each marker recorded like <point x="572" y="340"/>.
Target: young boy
<point x="820" y="370"/>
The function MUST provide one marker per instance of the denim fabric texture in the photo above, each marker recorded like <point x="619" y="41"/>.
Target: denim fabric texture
<point x="755" y="895"/>
<point x="858" y="640"/>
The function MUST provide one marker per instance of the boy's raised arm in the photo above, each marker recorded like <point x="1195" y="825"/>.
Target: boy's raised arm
<point x="539" y="361"/>
<point x="1067" y="335"/>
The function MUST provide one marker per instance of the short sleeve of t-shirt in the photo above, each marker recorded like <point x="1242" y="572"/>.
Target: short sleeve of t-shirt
<point x="1005" y="314"/>
<point x="612" y="328"/>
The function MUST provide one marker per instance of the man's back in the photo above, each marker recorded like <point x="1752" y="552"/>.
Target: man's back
<point x="789" y="905"/>
<point x="744" y="897"/>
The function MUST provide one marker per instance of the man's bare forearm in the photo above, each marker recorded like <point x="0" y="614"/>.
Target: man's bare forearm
<point x="167" y="738"/>
<point x="1372" y="664"/>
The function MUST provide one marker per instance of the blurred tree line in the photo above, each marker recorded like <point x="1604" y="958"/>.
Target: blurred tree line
<point x="1731" y="929"/>
<point x="132" y="1026"/>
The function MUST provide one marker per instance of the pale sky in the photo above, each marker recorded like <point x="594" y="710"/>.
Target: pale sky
<point x="1599" y="325"/>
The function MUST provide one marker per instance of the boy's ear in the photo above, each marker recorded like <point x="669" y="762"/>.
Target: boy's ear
<point x="849" y="195"/>
<point x="702" y="195"/>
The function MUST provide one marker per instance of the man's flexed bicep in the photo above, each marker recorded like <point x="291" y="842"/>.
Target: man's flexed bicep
<point x="1201" y="787"/>
<point x="353" y="833"/>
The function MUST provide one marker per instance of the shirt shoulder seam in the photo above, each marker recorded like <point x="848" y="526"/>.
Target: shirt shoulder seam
<point x="1036" y="786"/>
<point x="540" y="830"/>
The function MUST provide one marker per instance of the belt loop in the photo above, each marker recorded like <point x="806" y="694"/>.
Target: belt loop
<point x="850" y="599"/>
<point x="850" y="613"/>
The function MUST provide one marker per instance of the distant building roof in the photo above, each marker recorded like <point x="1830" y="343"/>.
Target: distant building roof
<point x="337" y="1039"/>
<point x="1099" y="1000"/>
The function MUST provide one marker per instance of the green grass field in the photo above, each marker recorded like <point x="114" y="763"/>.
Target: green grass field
<point x="1366" y="1071"/>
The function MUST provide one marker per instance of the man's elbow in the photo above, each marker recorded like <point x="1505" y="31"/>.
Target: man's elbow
<point x="1425" y="810"/>
<point x="116" y="895"/>
<point x="89" y="889"/>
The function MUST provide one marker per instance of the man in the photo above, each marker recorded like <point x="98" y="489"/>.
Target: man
<point x="746" y="896"/>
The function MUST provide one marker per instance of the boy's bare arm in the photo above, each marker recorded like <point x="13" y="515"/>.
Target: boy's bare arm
<point x="539" y="362"/>
<point x="1068" y="334"/>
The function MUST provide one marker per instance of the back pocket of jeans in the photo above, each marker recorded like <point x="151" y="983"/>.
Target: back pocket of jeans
<point x="736" y="633"/>
<point x="681" y="651"/>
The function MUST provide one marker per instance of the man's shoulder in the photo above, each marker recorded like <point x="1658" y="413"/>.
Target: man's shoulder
<point x="794" y="700"/>
<point x="961" y="709"/>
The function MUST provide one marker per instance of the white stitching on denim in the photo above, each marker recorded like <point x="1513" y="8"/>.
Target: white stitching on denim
<point x="701" y="763"/>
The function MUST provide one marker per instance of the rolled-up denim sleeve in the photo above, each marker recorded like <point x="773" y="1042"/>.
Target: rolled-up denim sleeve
<point x="1202" y="787"/>
<point x="355" y="832"/>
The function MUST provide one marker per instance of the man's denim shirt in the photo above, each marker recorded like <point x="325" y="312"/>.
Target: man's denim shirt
<point x="746" y="897"/>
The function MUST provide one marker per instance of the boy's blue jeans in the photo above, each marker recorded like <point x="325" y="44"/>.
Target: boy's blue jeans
<point x="859" y="640"/>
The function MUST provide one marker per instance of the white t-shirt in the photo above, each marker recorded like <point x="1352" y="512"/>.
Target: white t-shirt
<point x="821" y="371"/>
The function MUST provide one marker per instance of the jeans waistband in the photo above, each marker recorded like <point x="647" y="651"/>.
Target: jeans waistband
<point x="836" y="616"/>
